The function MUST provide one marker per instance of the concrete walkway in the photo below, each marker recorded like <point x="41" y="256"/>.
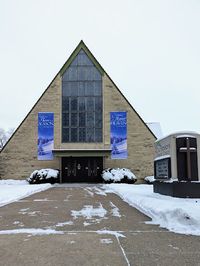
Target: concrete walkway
<point x="79" y="241"/>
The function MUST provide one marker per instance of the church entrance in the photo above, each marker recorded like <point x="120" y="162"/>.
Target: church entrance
<point x="82" y="169"/>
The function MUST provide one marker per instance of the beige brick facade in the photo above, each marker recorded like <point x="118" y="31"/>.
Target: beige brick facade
<point x="19" y="157"/>
<point x="140" y="140"/>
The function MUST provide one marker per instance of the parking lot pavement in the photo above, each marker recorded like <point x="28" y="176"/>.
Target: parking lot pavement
<point x="82" y="225"/>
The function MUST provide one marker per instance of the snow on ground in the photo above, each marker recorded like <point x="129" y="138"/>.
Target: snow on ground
<point x="14" y="190"/>
<point x="13" y="182"/>
<point x="64" y="223"/>
<point x="31" y="231"/>
<point x="106" y="241"/>
<point x="115" y="210"/>
<point x="176" y="214"/>
<point x="117" y="234"/>
<point x="89" y="212"/>
<point x="94" y="190"/>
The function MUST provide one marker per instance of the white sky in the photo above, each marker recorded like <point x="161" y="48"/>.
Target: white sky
<point x="151" y="49"/>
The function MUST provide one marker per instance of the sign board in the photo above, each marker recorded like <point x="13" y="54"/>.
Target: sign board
<point x="45" y="136"/>
<point x="162" y="147"/>
<point x="162" y="168"/>
<point x="118" y="135"/>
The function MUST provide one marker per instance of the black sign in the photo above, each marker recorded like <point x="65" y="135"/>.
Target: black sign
<point x="162" y="169"/>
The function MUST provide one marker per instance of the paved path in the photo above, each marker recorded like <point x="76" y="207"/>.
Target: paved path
<point x="80" y="243"/>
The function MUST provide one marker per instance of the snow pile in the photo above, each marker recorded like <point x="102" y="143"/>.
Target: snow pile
<point x="176" y="214"/>
<point x="149" y="179"/>
<point x="122" y="175"/>
<point x="44" y="176"/>
<point x="13" y="190"/>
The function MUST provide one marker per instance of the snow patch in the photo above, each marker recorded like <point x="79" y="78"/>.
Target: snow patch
<point x="86" y="223"/>
<point x="64" y="223"/>
<point x="89" y="192"/>
<point x="34" y="213"/>
<point x="162" y="157"/>
<point x="106" y="241"/>
<point x="14" y="190"/>
<point x="39" y="200"/>
<point x="176" y="214"/>
<point x="16" y="222"/>
<point x="115" y="210"/>
<point x="32" y="231"/>
<point x="117" y="234"/>
<point x="68" y="197"/>
<point x="11" y="182"/>
<point x="89" y="211"/>
<point x="96" y="190"/>
<point x="149" y="179"/>
<point x="24" y="210"/>
<point x="99" y="191"/>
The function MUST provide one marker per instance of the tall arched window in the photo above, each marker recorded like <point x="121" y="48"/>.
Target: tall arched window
<point x="82" y="101"/>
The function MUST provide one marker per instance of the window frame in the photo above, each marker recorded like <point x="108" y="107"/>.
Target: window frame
<point x="80" y="89"/>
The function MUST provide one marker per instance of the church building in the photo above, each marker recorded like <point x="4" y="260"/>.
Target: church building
<point x="81" y="124"/>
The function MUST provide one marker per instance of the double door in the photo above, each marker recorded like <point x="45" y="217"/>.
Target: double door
<point x="82" y="169"/>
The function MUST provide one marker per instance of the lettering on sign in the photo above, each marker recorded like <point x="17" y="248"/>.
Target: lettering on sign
<point x="44" y="120"/>
<point x="162" y="169"/>
<point x="162" y="148"/>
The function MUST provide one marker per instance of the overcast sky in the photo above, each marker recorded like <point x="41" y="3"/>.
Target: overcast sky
<point x="151" y="49"/>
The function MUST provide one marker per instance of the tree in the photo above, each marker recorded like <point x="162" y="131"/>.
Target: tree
<point x="4" y="136"/>
<point x="9" y="133"/>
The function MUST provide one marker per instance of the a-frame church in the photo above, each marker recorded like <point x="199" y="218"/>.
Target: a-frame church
<point x="81" y="124"/>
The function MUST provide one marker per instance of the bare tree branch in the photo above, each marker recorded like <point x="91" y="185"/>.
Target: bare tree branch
<point x="4" y="136"/>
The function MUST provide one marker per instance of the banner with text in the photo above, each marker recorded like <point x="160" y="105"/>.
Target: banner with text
<point x="118" y="135"/>
<point x="45" y="136"/>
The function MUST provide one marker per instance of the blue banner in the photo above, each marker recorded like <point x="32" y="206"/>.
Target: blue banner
<point x="45" y="136"/>
<point x="118" y="135"/>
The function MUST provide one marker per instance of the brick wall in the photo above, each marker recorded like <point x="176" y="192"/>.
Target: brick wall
<point x="19" y="157"/>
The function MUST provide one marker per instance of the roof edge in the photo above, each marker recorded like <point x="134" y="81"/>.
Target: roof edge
<point x="61" y="71"/>
<point x="80" y="46"/>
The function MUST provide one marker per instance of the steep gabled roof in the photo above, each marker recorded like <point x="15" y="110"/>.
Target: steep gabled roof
<point x="80" y="46"/>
